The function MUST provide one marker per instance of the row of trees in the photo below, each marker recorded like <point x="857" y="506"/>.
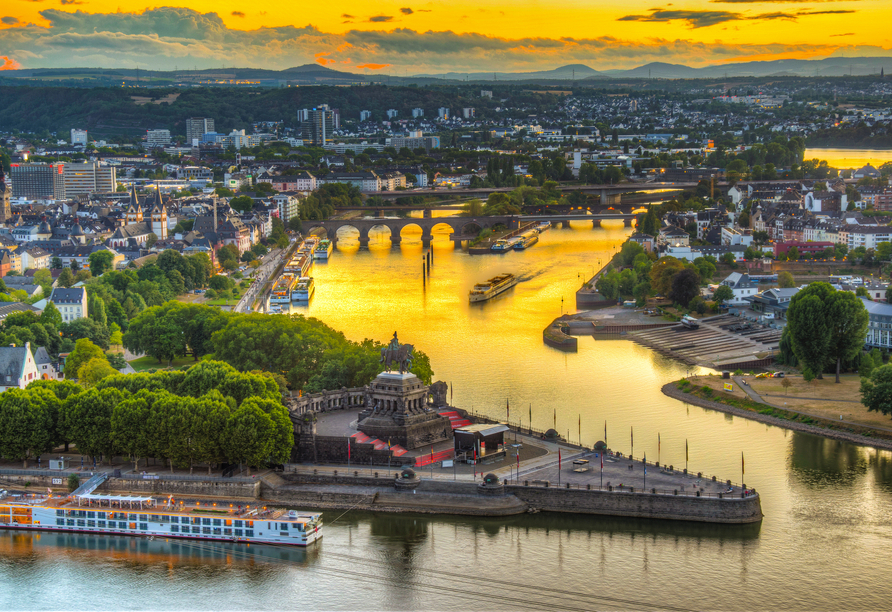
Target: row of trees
<point x="309" y="355"/>
<point x="210" y="414"/>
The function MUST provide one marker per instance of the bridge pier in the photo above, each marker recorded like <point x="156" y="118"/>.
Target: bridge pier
<point x="427" y="213"/>
<point x="628" y="222"/>
<point x="596" y="223"/>
<point x="604" y="200"/>
<point x="427" y="236"/>
<point x="363" y="238"/>
<point x="565" y="224"/>
<point x="456" y="244"/>
<point x="395" y="239"/>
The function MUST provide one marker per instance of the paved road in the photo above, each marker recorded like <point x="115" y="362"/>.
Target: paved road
<point x="261" y="275"/>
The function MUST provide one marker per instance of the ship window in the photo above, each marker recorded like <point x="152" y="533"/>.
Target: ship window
<point x="206" y="530"/>
<point x="100" y="515"/>
<point x="249" y="523"/>
<point x="144" y="526"/>
<point x="132" y="526"/>
<point x="156" y="518"/>
<point x="227" y="531"/>
<point x="238" y="523"/>
<point x="174" y="519"/>
<point x="283" y="533"/>
<point x="206" y="521"/>
<point x="300" y="526"/>
<point x="249" y="533"/>
<point x="175" y="528"/>
<point x="143" y="517"/>
<point x="196" y="529"/>
<point x="69" y="522"/>
<point x="91" y="523"/>
<point x="122" y="525"/>
<point x="238" y="533"/>
<point x="91" y="515"/>
<point x="101" y="524"/>
<point x="60" y="521"/>
<point x="218" y="522"/>
<point x="196" y="520"/>
<point x="217" y="531"/>
<point x="132" y="517"/>
<point x="60" y="513"/>
<point x="283" y="526"/>
<point x="80" y="522"/>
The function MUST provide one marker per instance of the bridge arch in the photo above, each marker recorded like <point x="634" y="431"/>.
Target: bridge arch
<point x="375" y="234"/>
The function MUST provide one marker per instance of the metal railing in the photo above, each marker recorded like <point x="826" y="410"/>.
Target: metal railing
<point x="740" y="494"/>
<point x="188" y="477"/>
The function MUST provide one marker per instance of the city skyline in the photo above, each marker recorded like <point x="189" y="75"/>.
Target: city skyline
<point x="401" y="38"/>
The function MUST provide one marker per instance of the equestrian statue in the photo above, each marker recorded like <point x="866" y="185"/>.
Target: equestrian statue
<point x="397" y="355"/>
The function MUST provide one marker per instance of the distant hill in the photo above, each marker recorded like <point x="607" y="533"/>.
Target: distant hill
<point x="564" y="73"/>
<point x="832" y="66"/>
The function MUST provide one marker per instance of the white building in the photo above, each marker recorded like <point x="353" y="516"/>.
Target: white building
<point x="392" y="113"/>
<point x="17" y="367"/>
<point x="365" y="115"/>
<point x="417" y="112"/>
<point x="468" y="113"/>
<point x="87" y="178"/>
<point x="741" y="285"/>
<point x="72" y="303"/>
<point x="443" y="113"/>
<point x="287" y="205"/>
<point x="156" y="139"/>
<point x="78" y="137"/>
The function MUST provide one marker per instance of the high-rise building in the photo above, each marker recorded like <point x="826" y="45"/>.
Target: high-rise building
<point x="88" y="177"/>
<point x="303" y="114"/>
<point x="392" y="113"/>
<point x="443" y="113"/>
<point x="5" y="193"/>
<point x="417" y="112"/>
<point x="78" y="137"/>
<point x="365" y="115"/>
<point x="38" y="181"/>
<point x="468" y="113"/>
<point x="157" y="138"/>
<point x="320" y="124"/>
<point x="196" y="127"/>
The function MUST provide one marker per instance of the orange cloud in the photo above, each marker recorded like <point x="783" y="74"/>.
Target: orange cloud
<point x="374" y="66"/>
<point x="322" y="60"/>
<point x="9" y="63"/>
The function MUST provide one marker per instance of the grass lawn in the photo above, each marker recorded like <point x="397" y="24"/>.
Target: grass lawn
<point x="823" y="398"/>
<point x="150" y="363"/>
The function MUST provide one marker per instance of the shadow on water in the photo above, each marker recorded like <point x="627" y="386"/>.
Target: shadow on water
<point x="819" y="462"/>
<point x="406" y="527"/>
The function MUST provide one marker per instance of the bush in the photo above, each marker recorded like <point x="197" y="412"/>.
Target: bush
<point x="738" y="372"/>
<point x="73" y="482"/>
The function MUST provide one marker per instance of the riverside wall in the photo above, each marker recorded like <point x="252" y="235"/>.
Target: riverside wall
<point x="225" y="489"/>
<point x="641" y="505"/>
<point x="467" y="498"/>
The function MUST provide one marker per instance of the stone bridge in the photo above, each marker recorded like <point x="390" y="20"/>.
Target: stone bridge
<point x="462" y="227"/>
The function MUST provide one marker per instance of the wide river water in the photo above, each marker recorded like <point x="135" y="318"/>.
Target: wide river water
<point x="851" y="158"/>
<point x="824" y="544"/>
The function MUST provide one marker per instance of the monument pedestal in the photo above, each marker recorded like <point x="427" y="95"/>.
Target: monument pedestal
<point x="397" y="411"/>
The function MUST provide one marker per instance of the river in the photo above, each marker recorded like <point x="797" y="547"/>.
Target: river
<point x="851" y="158"/>
<point x="823" y="544"/>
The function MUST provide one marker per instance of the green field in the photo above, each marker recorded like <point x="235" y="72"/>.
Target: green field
<point x="150" y="363"/>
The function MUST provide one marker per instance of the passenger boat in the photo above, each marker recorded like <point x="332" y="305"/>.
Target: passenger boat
<point x="304" y="289"/>
<point x="501" y="245"/>
<point x="86" y="512"/>
<point x="308" y="246"/>
<point x="526" y="241"/>
<point x="323" y="249"/>
<point x="543" y="226"/>
<point x="492" y="287"/>
<point x="281" y="293"/>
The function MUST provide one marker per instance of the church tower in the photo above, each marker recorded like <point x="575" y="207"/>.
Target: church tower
<point x="159" y="220"/>
<point x="134" y="211"/>
<point x="5" y="195"/>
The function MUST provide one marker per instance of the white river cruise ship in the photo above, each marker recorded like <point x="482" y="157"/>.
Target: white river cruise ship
<point x="86" y="512"/>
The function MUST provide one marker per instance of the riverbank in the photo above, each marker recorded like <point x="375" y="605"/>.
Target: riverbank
<point x="779" y="417"/>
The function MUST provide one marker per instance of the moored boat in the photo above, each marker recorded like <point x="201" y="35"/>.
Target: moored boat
<point x="527" y="240"/>
<point x="323" y="249"/>
<point x="500" y="245"/>
<point x="304" y="289"/>
<point x="144" y="516"/>
<point x="281" y="292"/>
<point x="491" y="288"/>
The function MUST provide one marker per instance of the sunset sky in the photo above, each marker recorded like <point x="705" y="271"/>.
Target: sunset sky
<point x="434" y="37"/>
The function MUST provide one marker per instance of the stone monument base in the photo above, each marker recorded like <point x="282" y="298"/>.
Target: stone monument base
<point x="397" y="411"/>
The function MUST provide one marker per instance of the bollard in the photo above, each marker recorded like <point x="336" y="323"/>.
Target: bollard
<point x="686" y="471"/>
<point x="675" y="492"/>
<point x="631" y="489"/>
<point x="376" y="474"/>
<point x="356" y="473"/>
<point x="589" y="486"/>
<point x="546" y="484"/>
<point x="699" y="474"/>
<point x="335" y="472"/>
<point x="713" y="478"/>
<point x="526" y="483"/>
<point x="698" y="493"/>
<point x="720" y="495"/>
<point x="568" y="485"/>
<point x="654" y="491"/>
<point x="610" y="487"/>
<point x="729" y="482"/>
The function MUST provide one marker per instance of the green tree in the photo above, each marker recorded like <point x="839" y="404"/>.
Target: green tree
<point x="792" y="254"/>
<point x="723" y="293"/>
<point x="848" y="320"/>
<point x="95" y="370"/>
<point x="685" y="286"/>
<point x="242" y="203"/>
<point x="83" y="352"/>
<point x="100" y="261"/>
<point x="51" y="316"/>
<point x="27" y="424"/>
<point x="650" y="224"/>
<point x="876" y="392"/>
<point x="250" y="436"/>
<point x="55" y="263"/>
<point x="129" y="426"/>
<point x="785" y="280"/>
<point x="867" y="366"/>
<point x="89" y="415"/>
<point x="66" y="278"/>
<point x="808" y="326"/>
<point x="96" y="309"/>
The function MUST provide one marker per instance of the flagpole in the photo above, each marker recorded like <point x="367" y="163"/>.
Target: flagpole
<point x="632" y="439"/>
<point x="659" y="447"/>
<point x="645" y="470"/>
<point x="742" y="471"/>
<point x="685" y="456"/>
<point x="602" y="468"/>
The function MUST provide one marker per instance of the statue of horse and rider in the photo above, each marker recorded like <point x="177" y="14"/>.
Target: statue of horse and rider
<point x="396" y="355"/>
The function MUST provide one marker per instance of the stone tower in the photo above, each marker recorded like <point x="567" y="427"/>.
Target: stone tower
<point x="5" y="195"/>
<point x="159" y="218"/>
<point x="134" y="211"/>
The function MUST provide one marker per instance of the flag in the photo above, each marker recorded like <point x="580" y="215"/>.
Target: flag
<point x="742" y="466"/>
<point x="686" y="451"/>
<point x="645" y="464"/>
<point x="531" y="415"/>
<point x="602" y="460"/>
<point x="451" y="392"/>
<point x="348" y="449"/>
<point x="559" y="460"/>
<point x="555" y="418"/>
<point x="388" y="443"/>
<point x="605" y="432"/>
<point x="475" y="461"/>
<point x="507" y="409"/>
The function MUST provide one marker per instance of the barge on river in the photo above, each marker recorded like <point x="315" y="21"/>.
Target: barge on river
<point x="145" y="517"/>
<point x="492" y="287"/>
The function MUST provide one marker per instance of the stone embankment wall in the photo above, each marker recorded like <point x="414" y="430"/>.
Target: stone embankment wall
<point x="641" y="505"/>
<point x="225" y="489"/>
<point x="333" y="449"/>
